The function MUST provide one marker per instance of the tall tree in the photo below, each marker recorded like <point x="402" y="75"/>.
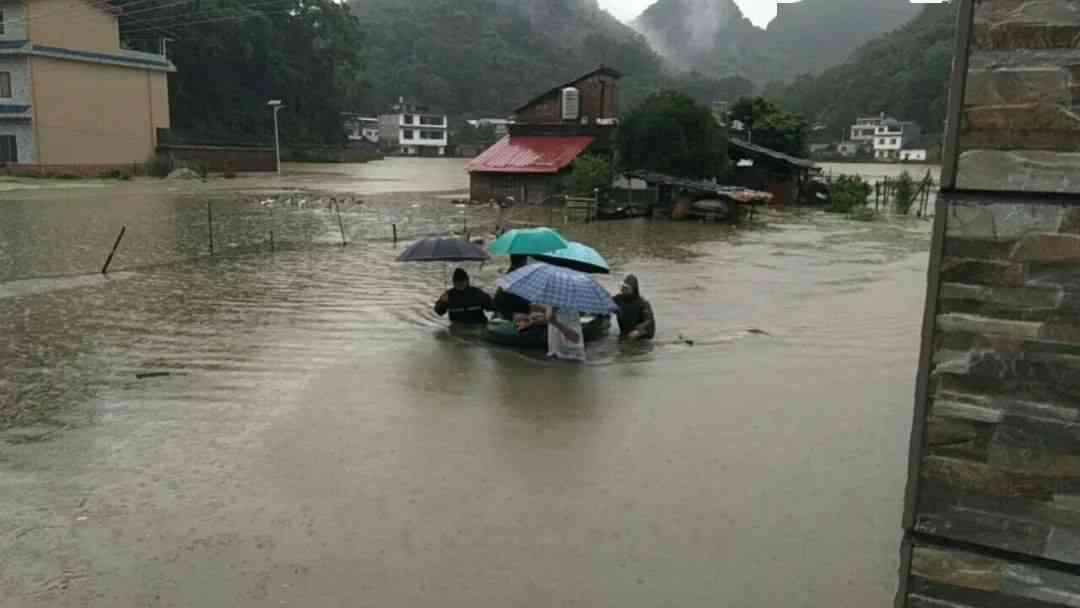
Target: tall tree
<point x="232" y="56"/>
<point x="770" y="126"/>
<point x="670" y="133"/>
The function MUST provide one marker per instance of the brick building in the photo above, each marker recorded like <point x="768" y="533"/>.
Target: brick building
<point x="548" y="134"/>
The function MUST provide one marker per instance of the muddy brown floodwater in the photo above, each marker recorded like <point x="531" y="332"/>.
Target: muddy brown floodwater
<point x="307" y="432"/>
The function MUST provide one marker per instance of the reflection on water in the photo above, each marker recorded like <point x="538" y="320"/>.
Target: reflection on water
<point x="310" y="426"/>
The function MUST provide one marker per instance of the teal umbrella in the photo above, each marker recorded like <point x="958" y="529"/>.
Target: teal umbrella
<point x="529" y="241"/>
<point x="577" y="257"/>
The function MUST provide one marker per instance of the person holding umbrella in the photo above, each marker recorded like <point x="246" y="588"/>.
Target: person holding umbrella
<point x="465" y="303"/>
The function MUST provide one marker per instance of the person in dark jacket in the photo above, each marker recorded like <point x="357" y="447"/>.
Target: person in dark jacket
<point x="507" y="305"/>
<point x="635" y="314"/>
<point x="466" y="304"/>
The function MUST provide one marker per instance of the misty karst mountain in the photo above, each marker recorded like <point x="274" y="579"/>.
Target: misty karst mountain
<point x="713" y="36"/>
<point x="489" y="56"/>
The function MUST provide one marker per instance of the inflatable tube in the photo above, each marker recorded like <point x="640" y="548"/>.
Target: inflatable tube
<point x="505" y="334"/>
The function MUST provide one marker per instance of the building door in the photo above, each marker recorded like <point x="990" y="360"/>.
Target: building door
<point x="9" y="152"/>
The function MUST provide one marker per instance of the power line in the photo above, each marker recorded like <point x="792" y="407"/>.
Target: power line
<point x="163" y="20"/>
<point x="70" y="10"/>
<point x="234" y="18"/>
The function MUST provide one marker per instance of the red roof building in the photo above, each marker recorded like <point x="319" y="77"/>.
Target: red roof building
<point x="548" y="134"/>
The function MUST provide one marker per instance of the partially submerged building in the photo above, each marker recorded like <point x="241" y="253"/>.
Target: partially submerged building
<point x="70" y="97"/>
<point x="547" y="135"/>
<point x="760" y="168"/>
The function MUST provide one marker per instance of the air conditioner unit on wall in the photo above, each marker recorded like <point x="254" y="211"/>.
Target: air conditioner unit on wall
<point x="571" y="103"/>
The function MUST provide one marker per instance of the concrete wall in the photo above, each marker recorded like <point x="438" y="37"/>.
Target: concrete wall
<point x="993" y="506"/>
<point x="24" y="138"/>
<point x="73" y="24"/>
<point x="88" y="113"/>
<point x="19" y="68"/>
<point x="14" y="20"/>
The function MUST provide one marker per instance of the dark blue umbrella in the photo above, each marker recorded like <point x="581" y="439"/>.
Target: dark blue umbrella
<point x="441" y="249"/>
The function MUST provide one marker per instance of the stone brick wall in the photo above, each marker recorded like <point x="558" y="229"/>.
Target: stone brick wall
<point x="1020" y="128"/>
<point x="993" y="513"/>
<point x="942" y="577"/>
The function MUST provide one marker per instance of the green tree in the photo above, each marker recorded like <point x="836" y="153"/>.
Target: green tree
<point x="904" y="193"/>
<point x="670" y="133"/>
<point x="770" y="126"/>
<point x="849" y="193"/>
<point x="590" y="173"/>
<point x="233" y="55"/>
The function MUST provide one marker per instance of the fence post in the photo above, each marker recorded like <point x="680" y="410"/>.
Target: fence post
<point x="210" y="224"/>
<point x="395" y="233"/>
<point x="105" y="269"/>
<point x="341" y="224"/>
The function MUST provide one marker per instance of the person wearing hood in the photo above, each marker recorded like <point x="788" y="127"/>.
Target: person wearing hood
<point x="465" y="303"/>
<point x="635" y="314"/>
<point x="507" y="305"/>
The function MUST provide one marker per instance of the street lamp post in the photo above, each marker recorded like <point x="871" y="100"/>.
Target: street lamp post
<point x="277" y="105"/>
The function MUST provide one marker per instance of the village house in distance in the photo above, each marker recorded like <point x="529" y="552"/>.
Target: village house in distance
<point x="412" y="129"/>
<point x="70" y="96"/>
<point x="546" y="136"/>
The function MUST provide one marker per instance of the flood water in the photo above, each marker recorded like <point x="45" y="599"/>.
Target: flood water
<point x="297" y="427"/>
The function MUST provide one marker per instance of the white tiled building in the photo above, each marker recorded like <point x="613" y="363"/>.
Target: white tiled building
<point x="864" y="129"/>
<point x="891" y="136"/>
<point x="362" y="128"/>
<point x="413" y="130"/>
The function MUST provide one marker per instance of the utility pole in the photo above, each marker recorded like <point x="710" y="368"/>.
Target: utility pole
<point x="276" y="104"/>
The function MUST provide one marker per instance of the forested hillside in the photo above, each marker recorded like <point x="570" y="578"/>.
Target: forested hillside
<point x="904" y="74"/>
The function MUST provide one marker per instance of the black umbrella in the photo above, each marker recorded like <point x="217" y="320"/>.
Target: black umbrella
<point x="441" y="249"/>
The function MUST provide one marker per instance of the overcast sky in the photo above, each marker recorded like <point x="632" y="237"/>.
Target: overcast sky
<point x="760" y="12"/>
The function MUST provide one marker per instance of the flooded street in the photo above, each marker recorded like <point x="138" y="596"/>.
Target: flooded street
<point x="297" y="427"/>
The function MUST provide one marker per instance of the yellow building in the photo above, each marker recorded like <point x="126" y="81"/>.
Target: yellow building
<point x="69" y="95"/>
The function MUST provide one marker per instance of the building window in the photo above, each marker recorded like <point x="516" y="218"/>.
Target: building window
<point x="407" y="134"/>
<point x="9" y="152"/>
<point x="431" y="120"/>
<point x="409" y="119"/>
<point x="893" y="141"/>
<point x="5" y="84"/>
<point x="2" y="32"/>
<point x="431" y="135"/>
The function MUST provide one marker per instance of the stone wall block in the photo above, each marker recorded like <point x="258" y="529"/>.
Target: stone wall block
<point x="1003" y="221"/>
<point x="957" y="568"/>
<point x="988" y="529"/>
<point x="1047" y="247"/>
<point x="979" y="478"/>
<point x="981" y="249"/>
<point x="1037" y="84"/>
<point x="982" y="272"/>
<point x="1022" y="170"/>
<point x="1023" y="117"/>
<point x="1041" y="584"/>
<point x="984" y="325"/>
<point x="959" y="410"/>
<point x="1012" y="140"/>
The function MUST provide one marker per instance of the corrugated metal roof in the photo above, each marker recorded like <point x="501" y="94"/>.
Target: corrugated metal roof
<point x="735" y="193"/>
<point x="529" y="155"/>
<point x="750" y="148"/>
